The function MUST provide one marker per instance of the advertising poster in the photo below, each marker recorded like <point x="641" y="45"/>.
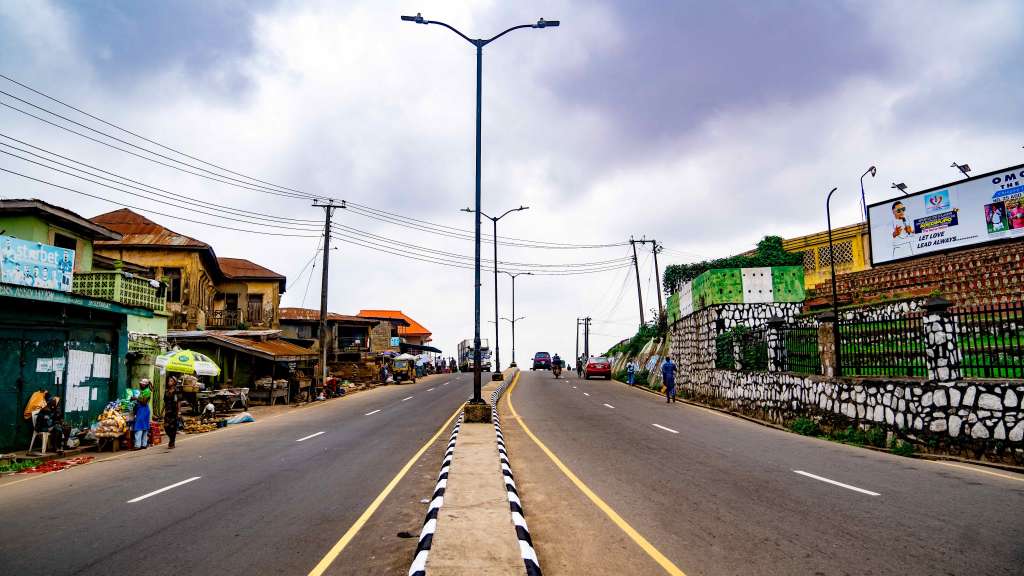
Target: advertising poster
<point x="25" y="263"/>
<point x="982" y="209"/>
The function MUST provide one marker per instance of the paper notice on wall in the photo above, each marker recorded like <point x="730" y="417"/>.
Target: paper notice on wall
<point x="58" y="365"/>
<point x="100" y="365"/>
<point x="79" y="370"/>
<point x="44" y="364"/>
<point x="92" y="393"/>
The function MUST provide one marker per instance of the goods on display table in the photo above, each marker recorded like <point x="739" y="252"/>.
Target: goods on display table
<point x="113" y="421"/>
<point x="269" y="390"/>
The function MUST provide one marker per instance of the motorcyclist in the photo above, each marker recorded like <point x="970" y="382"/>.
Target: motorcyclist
<point x="579" y="366"/>
<point x="556" y="365"/>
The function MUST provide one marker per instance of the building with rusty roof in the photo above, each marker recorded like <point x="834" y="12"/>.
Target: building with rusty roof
<point x="407" y="330"/>
<point x="203" y="290"/>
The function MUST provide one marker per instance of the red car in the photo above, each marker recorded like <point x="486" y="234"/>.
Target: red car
<point x="598" y="366"/>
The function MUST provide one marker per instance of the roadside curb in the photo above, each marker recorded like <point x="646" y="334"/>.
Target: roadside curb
<point x="918" y="456"/>
<point x="419" y="562"/>
<point x="528" y="553"/>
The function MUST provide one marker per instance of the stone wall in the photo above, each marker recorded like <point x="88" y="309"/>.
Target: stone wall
<point x="972" y="418"/>
<point x="945" y="413"/>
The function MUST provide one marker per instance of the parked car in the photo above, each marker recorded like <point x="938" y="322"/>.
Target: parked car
<point x="598" y="366"/>
<point x="541" y="361"/>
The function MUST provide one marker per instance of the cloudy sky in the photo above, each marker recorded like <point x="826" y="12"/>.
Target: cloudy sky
<point x="706" y="125"/>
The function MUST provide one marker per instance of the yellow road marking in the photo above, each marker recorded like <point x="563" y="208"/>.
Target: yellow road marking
<point x="340" y="545"/>
<point x="642" y="542"/>
<point x="980" y="471"/>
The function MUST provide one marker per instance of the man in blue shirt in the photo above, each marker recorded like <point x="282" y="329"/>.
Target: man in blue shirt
<point x="668" y="375"/>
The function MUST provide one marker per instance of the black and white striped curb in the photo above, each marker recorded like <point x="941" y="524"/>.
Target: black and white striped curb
<point x="522" y="532"/>
<point x="419" y="562"/>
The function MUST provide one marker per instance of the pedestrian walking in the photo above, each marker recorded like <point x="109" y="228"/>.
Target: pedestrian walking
<point x="668" y="375"/>
<point x="172" y="401"/>
<point x="631" y="372"/>
<point x="142" y="420"/>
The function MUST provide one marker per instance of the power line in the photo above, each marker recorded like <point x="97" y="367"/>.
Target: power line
<point x="250" y="182"/>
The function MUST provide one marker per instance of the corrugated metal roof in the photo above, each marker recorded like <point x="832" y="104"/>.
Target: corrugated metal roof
<point x="311" y="315"/>
<point x="413" y="328"/>
<point x="243" y="269"/>
<point x="137" y="230"/>
<point x="275" y="347"/>
<point x="88" y="228"/>
<point x="267" y="345"/>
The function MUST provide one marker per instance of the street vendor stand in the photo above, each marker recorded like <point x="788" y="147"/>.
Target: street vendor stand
<point x="191" y="364"/>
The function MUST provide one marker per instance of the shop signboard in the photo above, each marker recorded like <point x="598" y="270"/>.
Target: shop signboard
<point x="978" y="210"/>
<point x="25" y="263"/>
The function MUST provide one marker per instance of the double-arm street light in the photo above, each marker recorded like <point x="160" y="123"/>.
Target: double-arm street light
<point x="497" y="347"/>
<point x="514" y="319"/>
<point x="479" y="43"/>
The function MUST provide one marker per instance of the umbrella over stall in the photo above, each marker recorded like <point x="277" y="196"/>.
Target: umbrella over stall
<point x="187" y="362"/>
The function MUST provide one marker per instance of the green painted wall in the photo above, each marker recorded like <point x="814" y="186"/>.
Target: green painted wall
<point x="721" y="286"/>
<point x="36" y="229"/>
<point x="788" y="283"/>
<point x="155" y="325"/>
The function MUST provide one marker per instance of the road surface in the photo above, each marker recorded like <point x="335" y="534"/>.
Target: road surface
<point x="271" y="497"/>
<point x="715" y="494"/>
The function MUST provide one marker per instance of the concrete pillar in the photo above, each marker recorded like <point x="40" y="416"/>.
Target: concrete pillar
<point x="942" y="355"/>
<point x="827" y="344"/>
<point x="776" y="344"/>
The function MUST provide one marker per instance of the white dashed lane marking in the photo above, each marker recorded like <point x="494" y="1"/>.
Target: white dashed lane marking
<point x="372" y="413"/>
<point x="609" y="405"/>
<point x="310" y="436"/>
<point x="586" y="393"/>
<point x="430" y="389"/>
<point x="665" y="429"/>
<point x="164" y="489"/>
<point x="834" y="483"/>
<point x="406" y="398"/>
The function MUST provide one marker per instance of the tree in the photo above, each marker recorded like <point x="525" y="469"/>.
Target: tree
<point x="769" y="253"/>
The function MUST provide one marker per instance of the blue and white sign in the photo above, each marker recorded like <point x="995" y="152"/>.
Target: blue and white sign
<point x="35" y="264"/>
<point x="395" y="340"/>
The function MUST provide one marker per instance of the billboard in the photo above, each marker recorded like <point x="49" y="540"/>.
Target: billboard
<point x="25" y="263"/>
<point x="978" y="210"/>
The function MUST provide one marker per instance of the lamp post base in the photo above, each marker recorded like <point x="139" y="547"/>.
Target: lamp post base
<point x="497" y="376"/>
<point x="477" y="412"/>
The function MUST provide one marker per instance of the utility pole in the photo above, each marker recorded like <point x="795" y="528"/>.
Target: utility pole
<point x="655" y="248"/>
<point x="639" y="293"/>
<point x="578" y="340"/>
<point x="586" y="336"/>
<point x="328" y="211"/>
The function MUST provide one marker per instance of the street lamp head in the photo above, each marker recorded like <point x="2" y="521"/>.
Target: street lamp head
<point x="522" y="208"/>
<point x="418" y="18"/>
<point x="470" y="210"/>
<point x="900" y="186"/>
<point x="873" y="171"/>
<point x="542" y="23"/>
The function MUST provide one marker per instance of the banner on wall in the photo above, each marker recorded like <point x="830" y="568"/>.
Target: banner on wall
<point x="978" y="210"/>
<point x="25" y="263"/>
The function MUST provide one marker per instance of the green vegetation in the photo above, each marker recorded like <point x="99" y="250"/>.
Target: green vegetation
<point x="753" y="350"/>
<point x="901" y="447"/>
<point x="805" y="427"/>
<point x="874" y="436"/>
<point x="769" y="253"/>
<point x="632" y="347"/>
<point x="17" y="465"/>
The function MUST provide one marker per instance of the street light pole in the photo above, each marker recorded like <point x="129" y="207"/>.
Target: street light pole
<point x="835" y="305"/>
<point x="863" y="199"/>
<point x="513" y="277"/>
<point x="497" y="347"/>
<point x="479" y="43"/>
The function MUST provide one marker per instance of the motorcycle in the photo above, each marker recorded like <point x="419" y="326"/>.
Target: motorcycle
<point x="556" y="369"/>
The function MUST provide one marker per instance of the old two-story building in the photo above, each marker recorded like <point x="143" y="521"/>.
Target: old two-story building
<point x="203" y="291"/>
<point x="67" y="326"/>
<point x="405" y="334"/>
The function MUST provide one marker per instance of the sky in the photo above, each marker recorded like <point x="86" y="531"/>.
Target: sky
<point x="704" y="125"/>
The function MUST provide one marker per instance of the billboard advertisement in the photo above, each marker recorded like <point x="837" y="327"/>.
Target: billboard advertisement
<point x="34" y="264"/>
<point x="978" y="210"/>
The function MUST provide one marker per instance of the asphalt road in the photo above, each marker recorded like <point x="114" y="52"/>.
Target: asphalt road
<point x="260" y="502"/>
<point x="717" y="494"/>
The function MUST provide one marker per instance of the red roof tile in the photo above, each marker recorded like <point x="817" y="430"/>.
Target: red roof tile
<point x="311" y="315"/>
<point x="245" y="270"/>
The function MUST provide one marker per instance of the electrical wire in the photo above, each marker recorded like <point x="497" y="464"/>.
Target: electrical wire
<point x="249" y="182"/>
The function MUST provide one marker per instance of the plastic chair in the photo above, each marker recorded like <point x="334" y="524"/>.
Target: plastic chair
<point x="45" y="439"/>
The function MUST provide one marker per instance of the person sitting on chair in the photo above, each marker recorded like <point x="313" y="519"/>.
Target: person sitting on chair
<point x="51" y="421"/>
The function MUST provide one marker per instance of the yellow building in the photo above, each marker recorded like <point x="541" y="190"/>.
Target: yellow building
<point x="203" y="291"/>
<point x="852" y="247"/>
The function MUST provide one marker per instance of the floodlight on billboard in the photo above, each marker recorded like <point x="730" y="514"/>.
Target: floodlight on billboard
<point x="979" y="210"/>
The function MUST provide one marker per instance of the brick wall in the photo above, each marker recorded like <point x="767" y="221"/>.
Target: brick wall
<point x="965" y="277"/>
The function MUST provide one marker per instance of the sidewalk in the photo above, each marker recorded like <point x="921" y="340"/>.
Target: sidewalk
<point x="474" y="533"/>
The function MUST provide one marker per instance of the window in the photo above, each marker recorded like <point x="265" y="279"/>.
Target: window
<point x="67" y="243"/>
<point x="173" y="278"/>
<point x="231" y="301"/>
